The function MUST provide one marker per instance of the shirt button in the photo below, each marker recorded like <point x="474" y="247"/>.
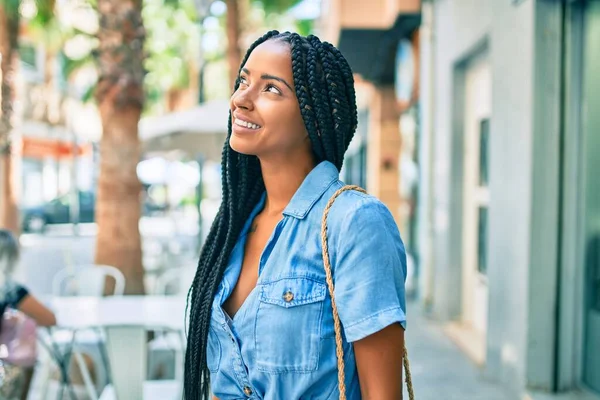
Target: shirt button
<point x="288" y="296"/>
<point x="247" y="391"/>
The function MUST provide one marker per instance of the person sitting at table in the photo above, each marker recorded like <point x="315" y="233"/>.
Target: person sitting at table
<point x="16" y="380"/>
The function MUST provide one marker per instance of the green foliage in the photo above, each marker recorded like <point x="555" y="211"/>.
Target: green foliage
<point x="45" y="11"/>
<point x="47" y="31"/>
<point x="12" y="8"/>
<point x="72" y="65"/>
<point x="305" y="26"/>
<point x="88" y="95"/>
<point x="277" y="6"/>
<point x="172" y="44"/>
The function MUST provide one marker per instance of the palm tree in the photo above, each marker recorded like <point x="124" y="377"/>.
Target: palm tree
<point x="9" y="33"/>
<point x="120" y="98"/>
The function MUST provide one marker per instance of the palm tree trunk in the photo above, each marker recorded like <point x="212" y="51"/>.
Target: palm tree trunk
<point x="120" y="100"/>
<point x="9" y="32"/>
<point x="9" y="212"/>
<point x="234" y="57"/>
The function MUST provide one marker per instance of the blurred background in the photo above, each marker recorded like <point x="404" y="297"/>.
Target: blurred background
<point x="478" y="127"/>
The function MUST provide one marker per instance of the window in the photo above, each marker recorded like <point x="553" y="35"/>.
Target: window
<point x="482" y="240"/>
<point x="484" y="133"/>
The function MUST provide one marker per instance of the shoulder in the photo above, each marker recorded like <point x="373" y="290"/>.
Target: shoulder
<point x="355" y="214"/>
<point x="353" y="205"/>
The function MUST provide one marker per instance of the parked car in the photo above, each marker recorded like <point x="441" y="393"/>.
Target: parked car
<point x="58" y="211"/>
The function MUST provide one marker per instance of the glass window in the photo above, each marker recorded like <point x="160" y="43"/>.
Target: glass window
<point x="482" y="240"/>
<point x="484" y="133"/>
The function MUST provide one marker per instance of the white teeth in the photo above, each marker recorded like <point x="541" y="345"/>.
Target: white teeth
<point x="246" y="124"/>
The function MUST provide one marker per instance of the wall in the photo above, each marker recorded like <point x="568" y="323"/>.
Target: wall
<point x="511" y="177"/>
<point x="459" y="29"/>
<point x="463" y="29"/>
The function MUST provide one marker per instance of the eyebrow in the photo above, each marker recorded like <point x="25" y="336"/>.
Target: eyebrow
<point x="273" y="77"/>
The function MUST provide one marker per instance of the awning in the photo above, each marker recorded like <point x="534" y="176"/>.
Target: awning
<point x="198" y="131"/>
<point x="371" y="53"/>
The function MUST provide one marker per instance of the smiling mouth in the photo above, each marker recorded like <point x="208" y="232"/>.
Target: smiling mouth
<point x="246" y="124"/>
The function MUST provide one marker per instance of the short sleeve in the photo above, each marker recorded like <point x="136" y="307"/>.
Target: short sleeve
<point x="15" y="294"/>
<point x="369" y="270"/>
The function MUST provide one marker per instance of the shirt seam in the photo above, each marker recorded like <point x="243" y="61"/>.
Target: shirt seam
<point x="374" y="315"/>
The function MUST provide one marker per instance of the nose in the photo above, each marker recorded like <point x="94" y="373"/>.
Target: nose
<point x="242" y="98"/>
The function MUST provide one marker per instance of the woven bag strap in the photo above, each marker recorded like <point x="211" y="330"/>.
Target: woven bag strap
<point x="339" y="350"/>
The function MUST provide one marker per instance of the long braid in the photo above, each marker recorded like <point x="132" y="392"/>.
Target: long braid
<point x="325" y="92"/>
<point x="333" y="83"/>
<point x="328" y="82"/>
<point x="318" y="91"/>
<point x="299" y="48"/>
<point x="349" y="82"/>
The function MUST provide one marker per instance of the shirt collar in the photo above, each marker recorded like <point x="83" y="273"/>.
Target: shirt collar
<point x="313" y="187"/>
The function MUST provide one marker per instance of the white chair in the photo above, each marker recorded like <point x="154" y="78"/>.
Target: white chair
<point x="168" y="347"/>
<point x="181" y="278"/>
<point x="87" y="280"/>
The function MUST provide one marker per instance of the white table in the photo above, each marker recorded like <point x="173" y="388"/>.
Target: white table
<point x="125" y="320"/>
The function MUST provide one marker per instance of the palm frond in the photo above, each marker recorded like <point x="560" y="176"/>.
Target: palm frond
<point x="45" y="10"/>
<point x="88" y="95"/>
<point x="277" y="6"/>
<point x="71" y="65"/>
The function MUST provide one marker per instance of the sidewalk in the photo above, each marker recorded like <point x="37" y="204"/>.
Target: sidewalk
<point x="440" y="371"/>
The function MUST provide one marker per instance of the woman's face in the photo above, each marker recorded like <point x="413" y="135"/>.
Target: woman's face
<point x="266" y="119"/>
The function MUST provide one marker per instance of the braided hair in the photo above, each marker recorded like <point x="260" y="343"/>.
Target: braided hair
<point x="324" y="87"/>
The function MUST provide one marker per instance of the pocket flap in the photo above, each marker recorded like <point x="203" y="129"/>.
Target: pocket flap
<point x="291" y="292"/>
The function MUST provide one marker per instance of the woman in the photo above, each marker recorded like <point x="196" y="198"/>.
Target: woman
<point x="261" y="324"/>
<point x="15" y="382"/>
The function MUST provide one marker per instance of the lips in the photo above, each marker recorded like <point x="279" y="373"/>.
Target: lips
<point x="243" y="122"/>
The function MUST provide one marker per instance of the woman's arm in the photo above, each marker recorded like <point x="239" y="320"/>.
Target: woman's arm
<point x="379" y="363"/>
<point x="37" y="311"/>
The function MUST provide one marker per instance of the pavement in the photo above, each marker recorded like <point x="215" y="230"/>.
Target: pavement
<point x="440" y="371"/>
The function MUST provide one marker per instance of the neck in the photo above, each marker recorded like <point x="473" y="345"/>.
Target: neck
<point x="282" y="180"/>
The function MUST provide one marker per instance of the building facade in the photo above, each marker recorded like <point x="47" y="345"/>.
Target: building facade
<point x="380" y="41"/>
<point x="509" y="210"/>
<point x="499" y="130"/>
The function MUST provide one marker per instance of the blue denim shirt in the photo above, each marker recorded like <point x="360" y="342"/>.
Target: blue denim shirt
<point x="280" y="345"/>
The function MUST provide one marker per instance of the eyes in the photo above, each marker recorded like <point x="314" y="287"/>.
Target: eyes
<point x="269" y="87"/>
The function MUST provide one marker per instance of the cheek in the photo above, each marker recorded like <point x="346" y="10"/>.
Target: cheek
<point x="291" y="123"/>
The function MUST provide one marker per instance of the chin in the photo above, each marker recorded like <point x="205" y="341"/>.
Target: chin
<point x="241" y="146"/>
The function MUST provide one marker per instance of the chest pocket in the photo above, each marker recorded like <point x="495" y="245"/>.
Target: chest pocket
<point x="288" y="325"/>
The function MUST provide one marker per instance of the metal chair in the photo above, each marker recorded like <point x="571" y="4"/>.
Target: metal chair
<point x="87" y="280"/>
